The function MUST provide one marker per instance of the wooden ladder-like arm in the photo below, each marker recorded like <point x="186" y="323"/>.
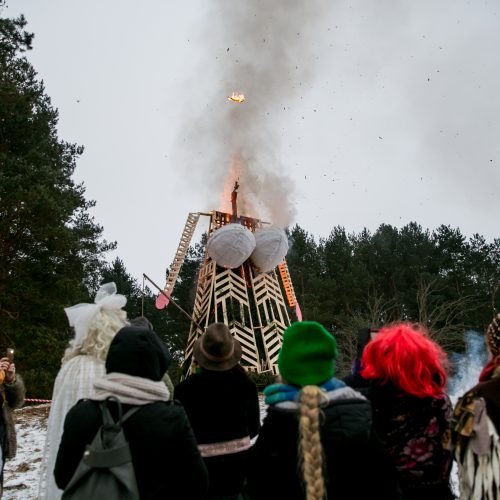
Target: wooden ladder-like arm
<point x="287" y="284"/>
<point x="180" y="255"/>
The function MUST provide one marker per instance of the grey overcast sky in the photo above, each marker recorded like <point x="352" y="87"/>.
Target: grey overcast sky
<point x="357" y="113"/>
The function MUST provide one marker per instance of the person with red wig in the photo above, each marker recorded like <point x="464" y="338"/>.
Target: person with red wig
<point x="406" y="371"/>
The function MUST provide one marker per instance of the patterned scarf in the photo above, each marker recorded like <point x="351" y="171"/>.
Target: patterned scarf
<point x="277" y="393"/>
<point x="129" y="390"/>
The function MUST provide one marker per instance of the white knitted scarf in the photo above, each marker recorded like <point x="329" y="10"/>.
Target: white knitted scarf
<point x="130" y="390"/>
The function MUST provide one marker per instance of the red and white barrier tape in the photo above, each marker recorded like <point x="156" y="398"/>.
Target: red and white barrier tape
<point x="38" y="400"/>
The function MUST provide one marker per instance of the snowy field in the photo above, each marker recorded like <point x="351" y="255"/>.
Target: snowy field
<point x="22" y="473"/>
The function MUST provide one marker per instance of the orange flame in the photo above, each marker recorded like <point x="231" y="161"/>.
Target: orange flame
<point x="239" y="98"/>
<point x="233" y="174"/>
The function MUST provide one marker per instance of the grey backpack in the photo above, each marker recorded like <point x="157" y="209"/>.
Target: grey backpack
<point x="106" y="469"/>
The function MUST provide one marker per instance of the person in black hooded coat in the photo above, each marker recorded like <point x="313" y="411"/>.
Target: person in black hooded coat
<point x="165" y="455"/>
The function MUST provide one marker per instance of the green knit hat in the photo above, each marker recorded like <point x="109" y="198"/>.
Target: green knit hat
<point x="307" y="354"/>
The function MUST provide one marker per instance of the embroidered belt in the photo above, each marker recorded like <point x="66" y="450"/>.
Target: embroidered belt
<point x="225" y="447"/>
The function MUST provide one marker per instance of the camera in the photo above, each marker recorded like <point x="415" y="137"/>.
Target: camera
<point x="10" y="354"/>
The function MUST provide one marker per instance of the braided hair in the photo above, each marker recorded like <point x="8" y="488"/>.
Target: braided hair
<point x="310" y="448"/>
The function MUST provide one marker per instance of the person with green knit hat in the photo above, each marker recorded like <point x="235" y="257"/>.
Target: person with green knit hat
<point x="308" y="354"/>
<point x="330" y="422"/>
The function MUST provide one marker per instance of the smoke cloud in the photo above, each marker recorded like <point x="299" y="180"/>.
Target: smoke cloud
<point x="467" y="366"/>
<point x="264" y="50"/>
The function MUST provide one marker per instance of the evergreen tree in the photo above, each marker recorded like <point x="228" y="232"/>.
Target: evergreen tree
<point x="305" y="270"/>
<point x="125" y="285"/>
<point x="50" y="248"/>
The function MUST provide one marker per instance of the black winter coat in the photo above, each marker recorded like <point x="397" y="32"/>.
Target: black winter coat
<point x="13" y="394"/>
<point x="222" y="406"/>
<point x="412" y="430"/>
<point x="356" y="464"/>
<point x="165" y="455"/>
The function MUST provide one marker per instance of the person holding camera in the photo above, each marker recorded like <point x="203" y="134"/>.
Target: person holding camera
<point x="13" y="392"/>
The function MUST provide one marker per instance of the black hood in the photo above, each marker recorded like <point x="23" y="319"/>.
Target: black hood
<point x="139" y="352"/>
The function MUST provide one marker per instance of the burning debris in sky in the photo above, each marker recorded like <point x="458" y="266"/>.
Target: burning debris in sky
<point x="236" y="97"/>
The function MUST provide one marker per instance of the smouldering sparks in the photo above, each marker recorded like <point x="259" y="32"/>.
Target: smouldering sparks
<point x="236" y="97"/>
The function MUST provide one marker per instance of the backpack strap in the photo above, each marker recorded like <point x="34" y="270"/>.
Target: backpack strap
<point x="107" y="418"/>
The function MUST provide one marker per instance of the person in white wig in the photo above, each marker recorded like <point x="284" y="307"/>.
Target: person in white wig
<point x="95" y="326"/>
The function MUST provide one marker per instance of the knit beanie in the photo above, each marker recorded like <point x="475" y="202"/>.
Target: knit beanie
<point x="307" y="354"/>
<point x="139" y="352"/>
<point x="493" y="336"/>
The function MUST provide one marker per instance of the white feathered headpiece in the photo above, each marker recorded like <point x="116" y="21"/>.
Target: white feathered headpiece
<point x="81" y="315"/>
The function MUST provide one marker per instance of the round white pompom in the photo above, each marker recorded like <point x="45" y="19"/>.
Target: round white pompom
<point x="231" y="245"/>
<point x="271" y="248"/>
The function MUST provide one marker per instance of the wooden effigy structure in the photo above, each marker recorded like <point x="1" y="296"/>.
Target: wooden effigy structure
<point x="252" y="304"/>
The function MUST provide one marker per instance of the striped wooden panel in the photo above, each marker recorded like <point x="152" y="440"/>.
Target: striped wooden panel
<point x="272" y="314"/>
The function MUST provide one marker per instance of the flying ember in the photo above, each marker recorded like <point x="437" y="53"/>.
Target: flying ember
<point x="236" y="97"/>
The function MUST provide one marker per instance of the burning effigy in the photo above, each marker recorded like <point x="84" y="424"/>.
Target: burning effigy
<point x="244" y="282"/>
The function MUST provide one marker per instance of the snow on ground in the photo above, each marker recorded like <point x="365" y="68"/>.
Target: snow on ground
<point x="22" y="473"/>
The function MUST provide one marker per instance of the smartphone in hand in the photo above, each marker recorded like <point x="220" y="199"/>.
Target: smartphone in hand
<point x="10" y="354"/>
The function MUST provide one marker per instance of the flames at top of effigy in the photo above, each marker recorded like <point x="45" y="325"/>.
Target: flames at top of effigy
<point x="235" y="242"/>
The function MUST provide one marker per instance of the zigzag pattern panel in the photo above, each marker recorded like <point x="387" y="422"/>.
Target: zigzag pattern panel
<point x="233" y="308"/>
<point x="269" y="299"/>
<point x="229" y="285"/>
<point x="273" y="316"/>
<point x="272" y="338"/>
<point x="246" y="337"/>
<point x="203" y="292"/>
<point x="201" y="308"/>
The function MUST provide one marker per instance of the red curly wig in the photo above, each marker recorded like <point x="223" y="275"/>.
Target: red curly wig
<point x="404" y="355"/>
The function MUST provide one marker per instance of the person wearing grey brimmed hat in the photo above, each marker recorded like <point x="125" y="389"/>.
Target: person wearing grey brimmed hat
<point x="223" y="408"/>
